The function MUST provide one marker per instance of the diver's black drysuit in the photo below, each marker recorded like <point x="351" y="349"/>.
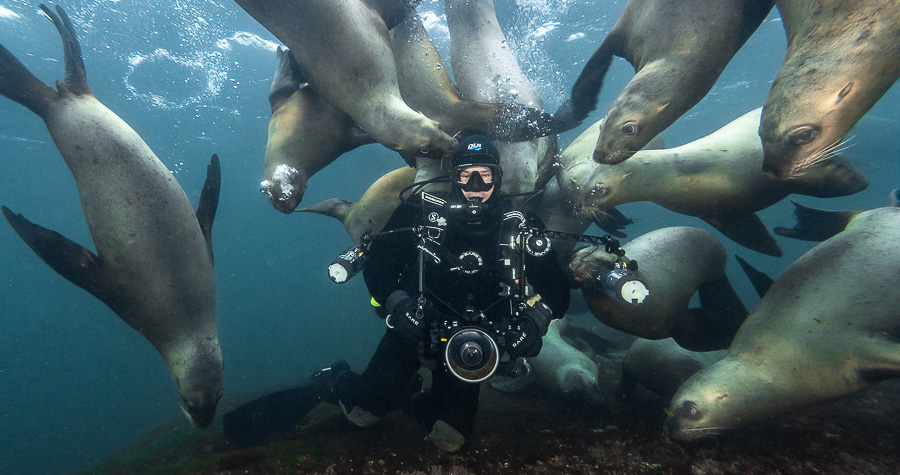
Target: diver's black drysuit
<point x="449" y="291"/>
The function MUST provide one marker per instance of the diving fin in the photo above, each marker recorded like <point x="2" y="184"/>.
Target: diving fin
<point x="275" y="415"/>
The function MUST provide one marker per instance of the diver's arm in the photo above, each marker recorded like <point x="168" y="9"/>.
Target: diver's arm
<point x="391" y="255"/>
<point x="548" y="278"/>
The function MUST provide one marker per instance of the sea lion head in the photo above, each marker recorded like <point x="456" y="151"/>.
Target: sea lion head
<point x="284" y="188"/>
<point x="197" y="372"/>
<point x="632" y="121"/>
<point x="721" y="397"/>
<point x="804" y="124"/>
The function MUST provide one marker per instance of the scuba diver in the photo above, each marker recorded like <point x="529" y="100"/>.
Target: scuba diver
<point x="449" y="273"/>
<point x="456" y="299"/>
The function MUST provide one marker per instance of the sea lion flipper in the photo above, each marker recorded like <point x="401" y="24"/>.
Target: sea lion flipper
<point x="18" y="84"/>
<point x="748" y="231"/>
<point x="209" y="200"/>
<point x="611" y="220"/>
<point x="287" y="78"/>
<point x="760" y="280"/>
<point x="76" y="79"/>
<point x="68" y="258"/>
<point x="334" y="207"/>
<point x="816" y="224"/>
<point x="589" y="83"/>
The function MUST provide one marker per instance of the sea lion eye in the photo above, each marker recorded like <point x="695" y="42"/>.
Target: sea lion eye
<point x="631" y="128"/>
<point x="690" y="410"/>
<point x="803" y="135"/>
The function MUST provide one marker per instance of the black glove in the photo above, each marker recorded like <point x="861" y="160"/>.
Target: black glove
<point x="403" y="317"/>
<point x="527" y="340"/>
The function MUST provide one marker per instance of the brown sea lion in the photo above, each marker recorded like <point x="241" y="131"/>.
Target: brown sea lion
<point x="674" y="263"/>
<point x="826" y="328"/>
<point x="344" y="53"/>
<point x="154" y="265"/>
<point x="306" y="134"/>
<point x="678" y="49"/>
<point x="487" y="70"/>
<point x="842" y="56"/>
<point x="717" y="178"/>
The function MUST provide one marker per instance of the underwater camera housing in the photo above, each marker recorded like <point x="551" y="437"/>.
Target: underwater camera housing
<point x="471" y="354"/>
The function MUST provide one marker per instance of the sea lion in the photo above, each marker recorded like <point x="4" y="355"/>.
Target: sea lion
<point x="373" y="209"/>
<point x="154" y="264"/>
<point x="306" y="134"/>
<point x="486" y="69"/>
<point x="678" y="49"/>
<point x="662" y="366"/>
<point x="819" y="224"/>
<point x="564" y="370"/>
<point x="673" y="263"/>
<point x="717" y="178"/>
<point x="344" y="53"/>
<point x="426" y="86"/>
<point x="826" y="328"/>
<point x="842" y="56"/>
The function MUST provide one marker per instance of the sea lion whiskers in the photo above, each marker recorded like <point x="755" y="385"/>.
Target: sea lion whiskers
<point x="826" y="153"/>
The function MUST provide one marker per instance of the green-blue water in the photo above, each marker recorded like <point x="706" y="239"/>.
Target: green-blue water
<point x="192" y="77"/>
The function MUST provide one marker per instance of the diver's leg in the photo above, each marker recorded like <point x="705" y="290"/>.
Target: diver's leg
<point x="379" y="388"/>
<point x="454" y="404"/>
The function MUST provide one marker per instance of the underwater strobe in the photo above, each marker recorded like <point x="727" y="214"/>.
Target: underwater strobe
<point x="622" y="285"/>
<point x="471" y="355"/>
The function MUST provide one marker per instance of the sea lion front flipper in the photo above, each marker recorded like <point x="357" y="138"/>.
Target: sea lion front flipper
<point x="68" y="258"/>
<point x="209" y="200"/>
<point x="748" y="231"/>
<point x="583" y="98"/>
<point x="723" y="310"/>
<point x="611" y="220"/>
<point x="76" y="80"/>
<point x="334" y="207"/>
<point x="816" y="224"/>
<point x="760" y="280"/>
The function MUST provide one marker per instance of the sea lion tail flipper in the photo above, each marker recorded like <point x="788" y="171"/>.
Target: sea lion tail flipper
<point x="611" y="220"/>
<point x="748" y="231"/>
<point x="209" y="200"/>
<point x="760" y="280"/>
<point x="829" y="178"/>
<point x="334" y="207"/>
<point x="816" y="224"/>
<point x="76" y="80"/>
<point x="68" y="258"/>
<point x="18" y="84"/>
<point x="287" y="78"/>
